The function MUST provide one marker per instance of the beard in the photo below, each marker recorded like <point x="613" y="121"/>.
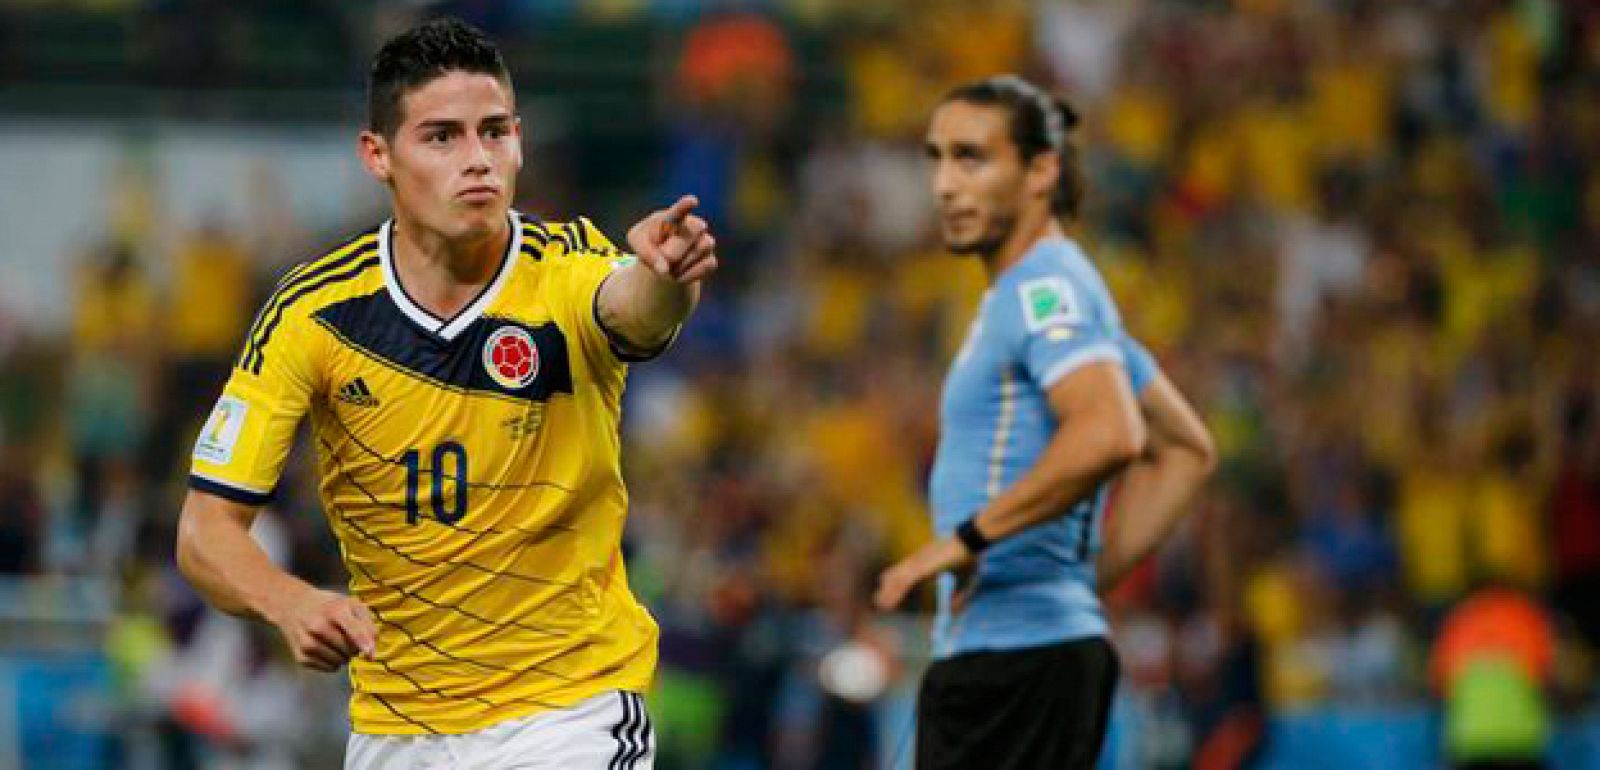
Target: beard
<point x="988" y="241"/>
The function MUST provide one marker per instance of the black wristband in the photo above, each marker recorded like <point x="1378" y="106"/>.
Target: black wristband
<point x="971" y="538"/>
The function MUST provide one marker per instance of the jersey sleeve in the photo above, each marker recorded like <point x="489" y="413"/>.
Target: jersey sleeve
<point x="1059" y="333"/>
<point x="1141" y="366"/>
<point x="241" y="449"/>
<point x="592" y="259"/>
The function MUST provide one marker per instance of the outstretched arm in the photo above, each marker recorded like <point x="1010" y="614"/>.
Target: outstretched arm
<point x="228" y="567"/>
<point x="1156" y="489"/>
<point x="645" y="302"/>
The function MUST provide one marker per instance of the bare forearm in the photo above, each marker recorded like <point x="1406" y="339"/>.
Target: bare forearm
<point x="1158" y="489"/>
<point x="1154" y="496"/>
<point x="644" y="308"/>
<point x="1067" y="472"/>
<point x="228" y="567"/>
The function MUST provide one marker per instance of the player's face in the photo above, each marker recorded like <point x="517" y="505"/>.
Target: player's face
<point x="453" y="162"/>
<point x="979" y="178"/>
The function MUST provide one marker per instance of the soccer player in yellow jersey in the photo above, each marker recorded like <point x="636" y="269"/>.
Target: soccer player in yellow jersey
<point x="462" y="365"/>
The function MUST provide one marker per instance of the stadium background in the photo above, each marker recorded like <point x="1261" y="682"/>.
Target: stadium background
<point x="1363" y="236"/>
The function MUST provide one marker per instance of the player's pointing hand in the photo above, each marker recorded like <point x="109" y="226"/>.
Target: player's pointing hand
<point x="675" y="243"/>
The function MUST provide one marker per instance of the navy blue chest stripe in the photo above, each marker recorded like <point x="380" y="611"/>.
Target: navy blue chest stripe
<point x="375" y="325"/>
<point x="306" y="286"/>
<point x="294" y="278"/>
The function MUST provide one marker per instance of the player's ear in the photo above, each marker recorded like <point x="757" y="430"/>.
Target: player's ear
<point x="1044" y="171"/>
<point x="374" y="152"/>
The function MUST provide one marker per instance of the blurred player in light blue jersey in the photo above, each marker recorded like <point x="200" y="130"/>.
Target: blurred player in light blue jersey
<point x="1047" y="402"/>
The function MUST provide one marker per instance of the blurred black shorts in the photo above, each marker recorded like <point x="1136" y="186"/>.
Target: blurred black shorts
<point x="1041" y="707"/>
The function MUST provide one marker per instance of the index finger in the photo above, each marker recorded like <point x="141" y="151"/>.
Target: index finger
<point x="676" y="214"/>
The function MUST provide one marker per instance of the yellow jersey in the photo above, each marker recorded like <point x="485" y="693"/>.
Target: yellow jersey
<point x="469" y="468"/>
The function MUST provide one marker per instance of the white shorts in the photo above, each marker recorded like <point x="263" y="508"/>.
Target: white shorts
<point x="610" y="731"/>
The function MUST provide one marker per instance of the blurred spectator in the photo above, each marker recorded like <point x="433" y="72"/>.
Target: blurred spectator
<point x="1491" y="664"/>
<point x="1348" y="535"/>
<point x="107" y="406"/>
<point x="733" y="84"/>
<point x="22" y="511"/>
<point x="1219" y="682"/>
<point x="1084" y="42"/>
<point x="206" y="310"/>
<point x="1323" y="256"/>
<point x="1574" y="516"/>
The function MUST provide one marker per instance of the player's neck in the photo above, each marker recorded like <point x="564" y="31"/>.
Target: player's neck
<point x="444" y="275"/>
<point x="1029" y="231"/>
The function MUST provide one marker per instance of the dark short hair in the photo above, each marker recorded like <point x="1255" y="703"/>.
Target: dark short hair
<point x="412" y="58"/>
<point x="1040" y="122"/>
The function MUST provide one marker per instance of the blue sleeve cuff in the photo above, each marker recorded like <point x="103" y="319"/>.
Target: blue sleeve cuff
<point x="1100" y="351"/>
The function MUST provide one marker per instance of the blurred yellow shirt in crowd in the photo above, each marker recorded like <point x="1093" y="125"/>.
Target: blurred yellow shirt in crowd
<point x="109" y="314"/>
<point x="864" y="465"/>
<point x="1510" y="275"/>
<point x="1432" y="519"/>
<point x="1508" y="537"/>
<point x="939" y="284"/>
<point x="973" y="41"/>
<point x="1274" y="608"/>
<point x="1389" y="388"/>
<point x="1210" y="166"/>
<point x="1277" y="155"/>
<point x="1483" y="290"/>
<point x="210" y="298"/>
<point x="838" y="322"/>
<point x="1439" y="169"/>
<point x="1512" y="95"/>
<point x="789" y="549"/>
<point x="1464" y="294"/>
<point x="1155" y="298"/>
<point x="1350" y="105"/>
<point x="1139" y="123"/>
<point x="888" y="96"/>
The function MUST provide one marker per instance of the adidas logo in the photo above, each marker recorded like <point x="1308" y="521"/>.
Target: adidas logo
<point x="356" y="392"/>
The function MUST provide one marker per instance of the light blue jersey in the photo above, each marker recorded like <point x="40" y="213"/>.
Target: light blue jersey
<point x="1043" y="318"/>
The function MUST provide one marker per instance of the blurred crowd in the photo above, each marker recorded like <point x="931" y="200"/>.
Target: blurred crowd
<point x="1363" y="237"/>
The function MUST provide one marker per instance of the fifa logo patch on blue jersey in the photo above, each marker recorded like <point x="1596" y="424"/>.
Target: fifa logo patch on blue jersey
<point x="1048" y="302"/>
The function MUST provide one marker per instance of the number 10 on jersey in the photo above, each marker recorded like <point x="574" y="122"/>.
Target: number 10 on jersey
<point x="446" y="511"/>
